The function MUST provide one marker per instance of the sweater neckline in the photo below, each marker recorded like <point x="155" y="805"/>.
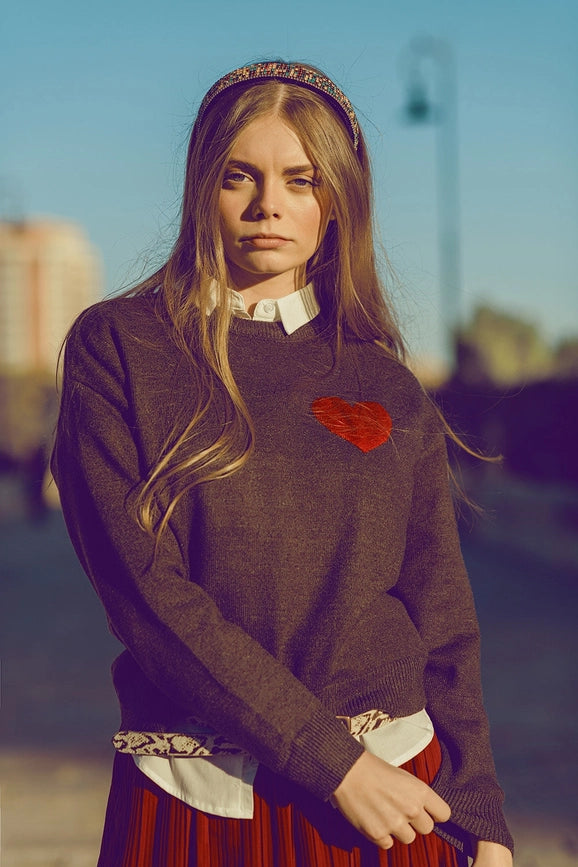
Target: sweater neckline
<point x="274" y="331"/>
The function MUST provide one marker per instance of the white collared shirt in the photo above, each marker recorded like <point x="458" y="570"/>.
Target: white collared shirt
<point x="293" y="310"/>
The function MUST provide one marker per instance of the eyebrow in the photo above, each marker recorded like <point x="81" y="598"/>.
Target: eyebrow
<point x="288" y="172"/>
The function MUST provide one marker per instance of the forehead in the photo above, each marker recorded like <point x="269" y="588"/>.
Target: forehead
<point x="269" y="139"/>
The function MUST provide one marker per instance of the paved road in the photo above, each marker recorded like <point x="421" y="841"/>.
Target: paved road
<point x="58" y="709"/>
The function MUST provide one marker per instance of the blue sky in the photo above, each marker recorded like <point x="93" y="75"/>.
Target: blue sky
<point x="97" y="101"/>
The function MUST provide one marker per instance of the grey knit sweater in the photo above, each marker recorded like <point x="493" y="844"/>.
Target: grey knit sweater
<point x="323" y="578"/>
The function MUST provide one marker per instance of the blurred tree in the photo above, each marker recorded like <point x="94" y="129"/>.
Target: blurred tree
<point x="28" y="403"/>
<point x="496" y="347"/>
<point x="566" y="359"/>
<point x="516" y="396"/>
<point x="28" y="406"/>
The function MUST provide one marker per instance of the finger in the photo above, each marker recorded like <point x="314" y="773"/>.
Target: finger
<point x="437" y="807"/>
<point x="405" y="833"/>
<point x="384" y="842"/>
<point x="423" y="824"/>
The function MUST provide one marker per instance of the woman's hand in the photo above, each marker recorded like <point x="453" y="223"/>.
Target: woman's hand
<point x="384" y="802"/>
<point x="492" y="855"/>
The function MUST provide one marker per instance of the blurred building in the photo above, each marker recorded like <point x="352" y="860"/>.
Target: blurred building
<point x="49" y="272"/>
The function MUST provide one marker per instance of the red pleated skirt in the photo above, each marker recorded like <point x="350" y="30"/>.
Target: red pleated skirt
<point x="147" y="827"/>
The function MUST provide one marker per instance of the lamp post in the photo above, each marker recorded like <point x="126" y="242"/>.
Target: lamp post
<point x="441" y="110"/>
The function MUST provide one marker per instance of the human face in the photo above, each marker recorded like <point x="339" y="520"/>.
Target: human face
<point x="270" y="214"/>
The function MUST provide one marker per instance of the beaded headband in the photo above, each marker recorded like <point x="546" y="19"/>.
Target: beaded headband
<point x="293" y="72"/>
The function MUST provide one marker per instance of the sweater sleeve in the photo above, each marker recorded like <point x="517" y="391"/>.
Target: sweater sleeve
<point x="436" y="592"/>
<point x="207" y="666"/>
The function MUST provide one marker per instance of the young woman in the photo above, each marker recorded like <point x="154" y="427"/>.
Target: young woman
<point x="257" y="487"/>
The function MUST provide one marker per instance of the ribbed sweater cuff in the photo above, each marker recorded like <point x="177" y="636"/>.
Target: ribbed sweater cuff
<point x="321" y="755"/>
<point x="476" y="814"/>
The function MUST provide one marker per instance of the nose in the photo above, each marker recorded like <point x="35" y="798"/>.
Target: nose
<point x="267" y="201"/>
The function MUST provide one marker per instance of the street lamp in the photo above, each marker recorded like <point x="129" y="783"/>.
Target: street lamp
<point x="441" y="111"/>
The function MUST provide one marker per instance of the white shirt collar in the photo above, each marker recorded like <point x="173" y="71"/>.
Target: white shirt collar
<point x="292" y="310"/>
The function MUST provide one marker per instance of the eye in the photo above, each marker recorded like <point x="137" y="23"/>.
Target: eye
<point x="235" y="176"/>
<point x="304" y="182"/>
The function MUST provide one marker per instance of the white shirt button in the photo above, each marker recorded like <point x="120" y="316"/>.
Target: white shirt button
<point x="269" y="307"/>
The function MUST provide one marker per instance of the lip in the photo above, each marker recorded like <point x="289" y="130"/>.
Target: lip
<point x="264" y="241"/>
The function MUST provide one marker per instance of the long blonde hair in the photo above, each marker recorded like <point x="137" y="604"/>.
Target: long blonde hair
<point x="343" y="270"/>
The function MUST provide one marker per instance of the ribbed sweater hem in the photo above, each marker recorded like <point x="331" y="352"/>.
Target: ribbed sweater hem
<point x="396" y="689"/>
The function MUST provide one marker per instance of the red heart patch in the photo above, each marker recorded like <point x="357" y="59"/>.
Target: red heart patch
<point x="367" y="424"/>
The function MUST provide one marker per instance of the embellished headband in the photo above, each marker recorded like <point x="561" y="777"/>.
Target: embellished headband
<point x="296" y="73"/>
